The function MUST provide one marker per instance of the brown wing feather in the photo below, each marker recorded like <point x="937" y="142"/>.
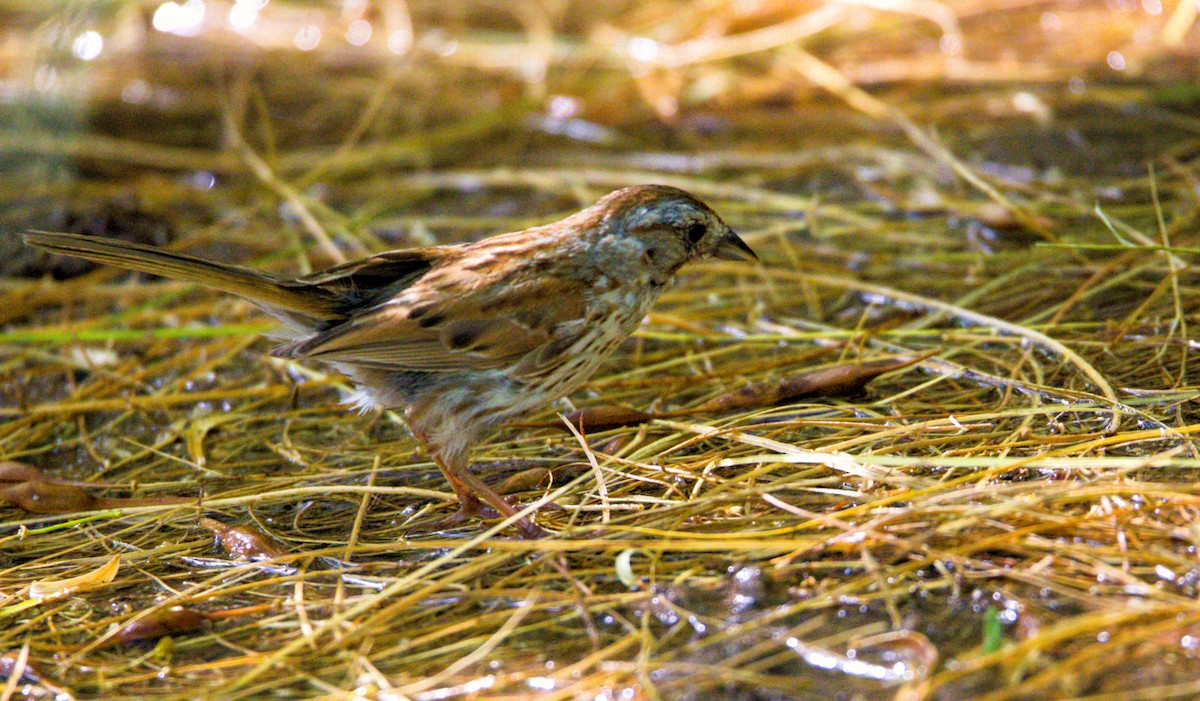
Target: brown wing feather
<point x="380" y="269"/>
<point x="476" y="330"/>
<point x="364" y="283"/>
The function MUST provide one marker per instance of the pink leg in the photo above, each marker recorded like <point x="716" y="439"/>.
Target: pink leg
<point x="473" y="493"/>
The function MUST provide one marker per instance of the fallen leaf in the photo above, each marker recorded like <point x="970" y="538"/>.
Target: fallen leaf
<point x="174" y="621"/>
<point x="54" y="588"/>
<point x="53" y="497"/>
<point x="523" y="481"/>
<point x="12" y="471"/>
<point x="11" y="661"/>
<point x="602" y="418"/>
<point x="158" y="624"/>
<point x="835" y="381"/>
<point x="244" y="541"/>
<point x="41" y="497"/>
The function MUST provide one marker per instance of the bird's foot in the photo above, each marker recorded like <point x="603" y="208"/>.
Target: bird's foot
<point x="474" y="495"/>
<point x="471" y="509"/>
<point x="525" y="525"/>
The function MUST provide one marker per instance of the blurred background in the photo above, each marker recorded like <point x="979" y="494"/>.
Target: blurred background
<point x="352" y="119"/>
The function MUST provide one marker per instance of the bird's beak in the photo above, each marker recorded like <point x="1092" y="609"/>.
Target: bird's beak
<point x="732" y="247"/>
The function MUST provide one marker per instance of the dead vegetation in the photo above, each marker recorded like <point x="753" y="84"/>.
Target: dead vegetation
<point x="976" y="187"/>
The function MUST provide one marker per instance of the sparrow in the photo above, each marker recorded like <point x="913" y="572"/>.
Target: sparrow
<point x="464" y="337"/>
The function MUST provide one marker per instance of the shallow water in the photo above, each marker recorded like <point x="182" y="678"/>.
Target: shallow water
<point x="966" y="529"/>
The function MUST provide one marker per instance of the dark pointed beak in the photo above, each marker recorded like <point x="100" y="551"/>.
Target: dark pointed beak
<point x="732" y="247"/>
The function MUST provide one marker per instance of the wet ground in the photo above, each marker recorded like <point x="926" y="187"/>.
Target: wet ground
<point x="983" y="538"/>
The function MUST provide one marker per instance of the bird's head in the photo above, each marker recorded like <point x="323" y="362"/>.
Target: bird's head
<point x="666" y="227"/>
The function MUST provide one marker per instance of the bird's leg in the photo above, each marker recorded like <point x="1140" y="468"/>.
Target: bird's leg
<point x="473" y="492"/>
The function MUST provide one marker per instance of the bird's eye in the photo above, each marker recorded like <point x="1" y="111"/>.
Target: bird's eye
<point x="695" y="232"/>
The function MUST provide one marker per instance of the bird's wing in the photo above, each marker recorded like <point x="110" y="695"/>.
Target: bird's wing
<point x="455" y="328"/>
<point x="367" y="282"/>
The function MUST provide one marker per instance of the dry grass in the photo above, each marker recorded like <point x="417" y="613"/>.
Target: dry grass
<point x="1012" y="518"/>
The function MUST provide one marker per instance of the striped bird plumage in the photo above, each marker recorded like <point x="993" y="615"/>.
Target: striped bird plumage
<point x="463" y="337"/>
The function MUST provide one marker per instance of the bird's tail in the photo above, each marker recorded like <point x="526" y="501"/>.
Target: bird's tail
<point x="269" y="292"/>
